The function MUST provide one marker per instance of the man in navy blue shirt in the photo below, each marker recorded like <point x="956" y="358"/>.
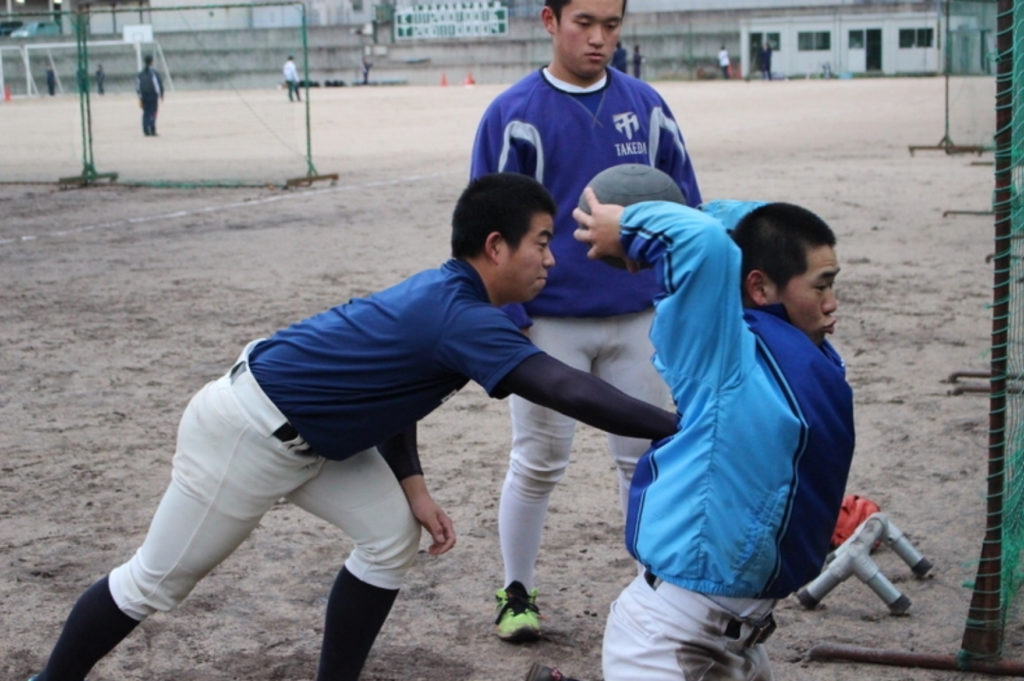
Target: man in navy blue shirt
<point x="323" y="413"/>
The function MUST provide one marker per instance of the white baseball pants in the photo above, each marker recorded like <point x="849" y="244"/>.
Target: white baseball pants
<point x="228" y="470"/>
<point x="616" y="349"/>
<point x="672" y="634"/>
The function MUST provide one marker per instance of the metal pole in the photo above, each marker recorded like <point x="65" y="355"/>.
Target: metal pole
<point x="311" y="173"/>
<point x="983" y="635"/>
<point x="82" y="76"/>
<point x="899" y="658"/>
<point x="310" y="170"/>
<point x="80" y="20"/>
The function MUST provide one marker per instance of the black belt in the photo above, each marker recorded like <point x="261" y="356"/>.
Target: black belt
<point x="761" y="628"/>
<point x="285" y="433"/>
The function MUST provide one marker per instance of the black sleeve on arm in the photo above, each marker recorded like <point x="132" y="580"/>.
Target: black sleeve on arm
<point x="401" y="453"/>
<point x="544" y="380"/>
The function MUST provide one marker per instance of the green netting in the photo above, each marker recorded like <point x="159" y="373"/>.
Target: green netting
<point x="999" y="575"/>
<point x="225" y="119"/>
<point x="1011" y="208"/>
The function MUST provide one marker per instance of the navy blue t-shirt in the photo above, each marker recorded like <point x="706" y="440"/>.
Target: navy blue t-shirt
<point x="359" y="373"/>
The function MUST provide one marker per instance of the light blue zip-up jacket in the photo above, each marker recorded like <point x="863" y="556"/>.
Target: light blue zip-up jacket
<point x="742" y="501"/>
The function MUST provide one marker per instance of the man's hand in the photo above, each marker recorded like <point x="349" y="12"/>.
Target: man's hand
<point x="431" y="516"/>
<point x="600" y="230"/>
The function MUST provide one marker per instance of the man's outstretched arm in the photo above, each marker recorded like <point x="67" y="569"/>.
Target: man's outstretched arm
<point x="544" y="380"/>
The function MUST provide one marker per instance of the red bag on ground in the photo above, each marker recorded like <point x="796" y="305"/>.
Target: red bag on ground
<point x="854" y="511"/>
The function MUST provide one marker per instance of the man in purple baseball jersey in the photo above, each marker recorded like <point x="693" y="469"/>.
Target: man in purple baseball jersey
<point x="562" y="125"/>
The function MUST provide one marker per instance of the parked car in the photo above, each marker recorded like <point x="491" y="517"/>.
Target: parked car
<point x="34" y="28"/>
<point x="8" y="27"/>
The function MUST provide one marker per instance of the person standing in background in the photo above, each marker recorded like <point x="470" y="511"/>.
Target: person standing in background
<point x="100" y="77"/>
<point x="637" y="61"/>
<point x="367" y="65"/>
<point x="150" y="89"/>
<point x="723" y="62"/>
<point x="619" y="58"/>
<point x="766" y="60"/>
<point x="291" y="79"/>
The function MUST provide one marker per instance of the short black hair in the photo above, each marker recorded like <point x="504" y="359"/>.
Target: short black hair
<point x="775" y="238"/>
<point x="557" y="5"/>
<point x="148" y="59"/>
<point x="500" y="202"/>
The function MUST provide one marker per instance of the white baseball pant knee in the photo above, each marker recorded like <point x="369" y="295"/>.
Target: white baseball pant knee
<point x="226" y="476"/>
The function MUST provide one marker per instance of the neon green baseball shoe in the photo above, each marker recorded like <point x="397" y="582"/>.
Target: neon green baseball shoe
<point x="518" y="618"/>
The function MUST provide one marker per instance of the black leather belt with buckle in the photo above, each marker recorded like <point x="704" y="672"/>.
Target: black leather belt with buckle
<point x="760" y="629"/>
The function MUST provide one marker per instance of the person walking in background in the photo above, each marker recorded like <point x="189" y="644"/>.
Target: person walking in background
<point x="562" y="124"/>
<point x="100" y="77"/>
<point x="150" y="89"/>
<point x="723" y="62"/>
<point x="766" y="60"/>
<point x="291" y="79"/>
<point x="367" y="65"/>
<point x="637" y="61"/>
<point x="620" y="57"/>
<point x="51" y="81"/>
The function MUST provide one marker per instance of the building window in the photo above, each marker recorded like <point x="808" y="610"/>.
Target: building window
<point x="916" y="37"/>
<point x="856" y="40"/>
<point x="813" y="41"/>
<point x="758" y="40"/>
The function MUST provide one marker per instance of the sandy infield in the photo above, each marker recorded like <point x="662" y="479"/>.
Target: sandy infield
<point x="119" y="302"/>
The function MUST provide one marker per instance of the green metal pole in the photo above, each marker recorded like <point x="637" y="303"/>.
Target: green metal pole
<point x="310" y="169"/>
<point x="89" y="174"/>
<point x="81" y="77"/>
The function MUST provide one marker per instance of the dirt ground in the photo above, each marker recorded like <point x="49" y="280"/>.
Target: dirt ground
<point x="118" y="302"/>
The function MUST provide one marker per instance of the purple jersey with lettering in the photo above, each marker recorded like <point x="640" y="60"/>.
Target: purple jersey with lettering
<point x="564" y="139"/>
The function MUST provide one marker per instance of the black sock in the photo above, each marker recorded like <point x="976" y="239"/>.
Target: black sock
<point x="355" y="613"/>
<point x="94" y="626"/>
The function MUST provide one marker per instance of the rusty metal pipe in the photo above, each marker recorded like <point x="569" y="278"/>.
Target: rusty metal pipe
<point x="899" y="658"/>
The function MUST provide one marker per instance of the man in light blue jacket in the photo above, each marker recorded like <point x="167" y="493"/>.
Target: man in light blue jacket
<point x="735" y="510"/>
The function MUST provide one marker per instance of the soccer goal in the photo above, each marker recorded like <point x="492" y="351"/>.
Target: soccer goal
<point x="224" y="118"/>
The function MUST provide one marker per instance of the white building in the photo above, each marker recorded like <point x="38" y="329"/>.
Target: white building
<point x="889" y="43"/>
<point x="905" y="42"/>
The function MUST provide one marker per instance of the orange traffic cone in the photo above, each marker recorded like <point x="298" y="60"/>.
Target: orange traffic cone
<point x="444" y="80"/>
<point x="469" y="79"/>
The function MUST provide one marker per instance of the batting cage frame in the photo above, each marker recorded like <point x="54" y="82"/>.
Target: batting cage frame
<point x="81" y="21"/>
<point x="954" y="52"/>
<point x="999" y="577"/>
